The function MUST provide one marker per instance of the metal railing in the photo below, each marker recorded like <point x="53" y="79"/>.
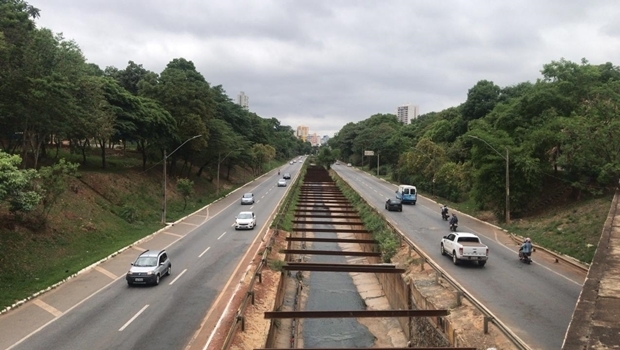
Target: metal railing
<point x="488" y="315"/>
<point x="239" y="319"/>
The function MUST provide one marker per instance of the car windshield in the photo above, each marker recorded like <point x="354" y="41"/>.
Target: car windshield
<point x="247" y="195"/>
<point x="244" y="216"/>
<point x="146" y="261"/>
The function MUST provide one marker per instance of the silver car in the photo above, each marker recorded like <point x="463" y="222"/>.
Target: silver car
<point x="149" y="268"/>
<point x="247" y="198"/>
<point x="281" y="183"/>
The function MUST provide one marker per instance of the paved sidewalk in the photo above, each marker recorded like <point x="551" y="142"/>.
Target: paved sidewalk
<point x="596" y="320"/>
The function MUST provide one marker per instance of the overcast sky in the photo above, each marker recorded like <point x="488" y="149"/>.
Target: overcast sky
<point x="326" y="63"/>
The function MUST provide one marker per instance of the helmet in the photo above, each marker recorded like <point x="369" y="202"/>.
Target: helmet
<point x="528" y="239"/>
<point x="453" y="214"/>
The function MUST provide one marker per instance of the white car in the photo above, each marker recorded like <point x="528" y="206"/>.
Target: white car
<point x="281" y="183"/>
<point x="246" y="220"/>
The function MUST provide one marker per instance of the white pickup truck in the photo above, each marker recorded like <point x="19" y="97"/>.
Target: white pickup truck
<point x="464" y="247"/>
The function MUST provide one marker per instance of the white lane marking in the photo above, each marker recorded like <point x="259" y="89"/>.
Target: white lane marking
<point x="179" y="276"/>
<point x="133" y="318"/>
<point x="105" y="272"/>
<point x="186" y="223"/>
<point x="222" y="235"/>
<point x="173" y="234"/>
<point x="500" y="243"/>
<point x="79" y="303"/>
<point x="47" y="307"/>
<point x="203" y="253"/>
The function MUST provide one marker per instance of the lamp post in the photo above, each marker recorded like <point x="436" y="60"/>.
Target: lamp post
<point x="506" y="158"/>
<point x="219" y="155"/>
<point x="165" y="159"/>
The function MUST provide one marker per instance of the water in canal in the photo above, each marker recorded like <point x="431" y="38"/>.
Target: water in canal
<point x="330" y="291"/>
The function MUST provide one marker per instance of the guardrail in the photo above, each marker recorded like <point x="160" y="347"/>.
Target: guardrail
<point x="249" y="295"/>
<point x="488" y="315"/>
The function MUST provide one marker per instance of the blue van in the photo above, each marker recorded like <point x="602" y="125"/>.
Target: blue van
<point x="407" y="194"/>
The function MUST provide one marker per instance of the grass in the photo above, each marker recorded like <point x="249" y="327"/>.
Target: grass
<point x="110" y="210"/>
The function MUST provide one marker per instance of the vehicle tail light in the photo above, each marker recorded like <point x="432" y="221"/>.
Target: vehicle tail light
<point x="460" y="251"/>
<point x="487" y="252"/>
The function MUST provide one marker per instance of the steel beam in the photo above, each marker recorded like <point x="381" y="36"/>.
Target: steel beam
<point x="355" y="314"/>
<point x="350" y="268"/>
<point x="327" y="252"/>
<point x="330" y="240"/>
<point x="334" y="230"/>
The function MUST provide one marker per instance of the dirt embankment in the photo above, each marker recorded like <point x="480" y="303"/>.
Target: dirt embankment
<point x="467" y="320"/>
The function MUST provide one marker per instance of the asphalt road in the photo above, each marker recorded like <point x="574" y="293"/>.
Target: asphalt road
<point x="98" y="310"/>
<point x="535" y="301"/>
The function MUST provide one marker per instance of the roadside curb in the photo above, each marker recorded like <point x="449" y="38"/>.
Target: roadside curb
<point x="568" y="259"/>
<point x="99" y="262"/>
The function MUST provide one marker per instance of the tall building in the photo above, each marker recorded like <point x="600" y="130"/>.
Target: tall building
<point x="407" y="113"/>
<point x="243" y="100"/>
<point x="302" y="132"/>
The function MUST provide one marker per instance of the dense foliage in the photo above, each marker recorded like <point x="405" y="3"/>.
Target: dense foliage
<point x="559" y="132"/>
<point x="49" y="94"/>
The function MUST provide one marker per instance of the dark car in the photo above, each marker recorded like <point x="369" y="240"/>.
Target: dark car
<point x="393" y="204"/>
<point x="286" y="176"/>
<point x="149" y="268"/>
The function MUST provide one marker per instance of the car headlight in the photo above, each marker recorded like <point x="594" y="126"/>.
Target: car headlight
<point x="150" y="273"/>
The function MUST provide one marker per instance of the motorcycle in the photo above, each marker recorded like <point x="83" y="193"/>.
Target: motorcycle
<point x="444" y="215"/>
<point x="453" y="227"/>
<point x="525" y="257"/>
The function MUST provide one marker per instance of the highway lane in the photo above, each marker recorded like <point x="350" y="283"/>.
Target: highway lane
<point x="536" y="301"/>
<point x="166" y="316"/>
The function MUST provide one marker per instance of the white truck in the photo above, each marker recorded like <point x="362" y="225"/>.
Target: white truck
<point x="462" y="246"/>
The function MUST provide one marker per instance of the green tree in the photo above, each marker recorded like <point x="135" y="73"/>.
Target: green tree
<point x="54" y="182"/>
<point x="481" y="99"/>
<point x="186" y="188"/>
<point x="16" y="185"/>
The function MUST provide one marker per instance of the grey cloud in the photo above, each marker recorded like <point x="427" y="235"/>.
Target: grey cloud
<point x="326" y="63"/>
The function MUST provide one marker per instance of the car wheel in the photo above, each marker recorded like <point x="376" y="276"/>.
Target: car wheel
<point x="169" y="270"/>
<point x="481" y="263"/>
<point x="455" y="260"/>
<point x="129" y="284"/>
<point x="443" y="252"/>
<point x="414" y="203"/>
<point x="401" y="209"/>
<point x="157" y="279"/>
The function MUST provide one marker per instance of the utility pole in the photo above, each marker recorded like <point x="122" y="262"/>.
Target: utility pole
<point x="377" y="163"/>
<point x="163" y="205"/>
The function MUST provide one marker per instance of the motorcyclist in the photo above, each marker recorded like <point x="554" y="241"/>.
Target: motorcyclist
<point x="526" y="248"/>
<point x="278" y="171"/>
<point x="444" y="210"/>
<point x="454" y="220"/>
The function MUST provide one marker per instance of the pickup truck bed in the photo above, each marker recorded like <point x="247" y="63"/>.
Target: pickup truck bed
<point x="464" y="247"/>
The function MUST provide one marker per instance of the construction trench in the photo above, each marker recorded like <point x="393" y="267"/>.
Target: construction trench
<point x="329" y="256"/>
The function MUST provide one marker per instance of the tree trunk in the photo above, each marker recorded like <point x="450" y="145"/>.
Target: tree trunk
<point x="102" y="145"/>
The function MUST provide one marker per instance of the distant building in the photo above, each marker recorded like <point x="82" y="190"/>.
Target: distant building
<point x="314" y="139"/>
<point x="302" y="132"/>
<point x="324" y="140"/>
<point x="243" y="100"/>
<point x="407" y="113"/>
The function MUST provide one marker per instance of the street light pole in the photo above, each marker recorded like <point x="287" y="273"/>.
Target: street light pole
<point x="377" y="163"/>
<point x="506" y="158"/>
<point x="165" y="160"/>
<point x="219" y="155"/>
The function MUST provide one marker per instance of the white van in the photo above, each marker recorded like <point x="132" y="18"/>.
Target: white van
<point x="407" y="194"/>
